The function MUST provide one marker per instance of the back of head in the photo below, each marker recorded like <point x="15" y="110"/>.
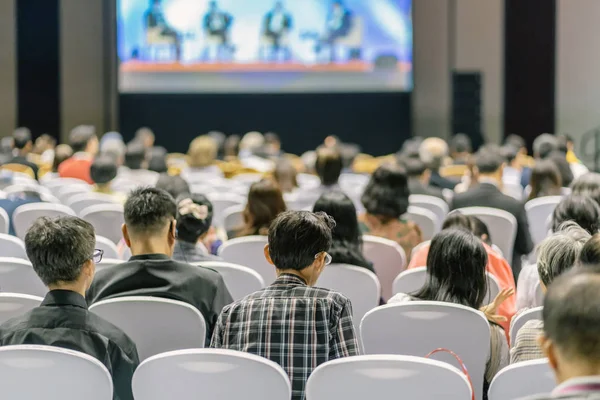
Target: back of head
<point x="516" y="141"/>
<point x="231" y="147"/>
<point x="509" y="153"/>
<point x="590" y="253"/>
<point x="581" y="209"/>
<point x="157" y="159"/>
<point x="329" y="165"/>
<point x="174" y="185"/>
<point x="560" y="251"/>
<point x="587" y="185"/>
<point x="480" y="230"/>
<point x="460" y="144"/>
<point x="455" y="269"/>
<point x="566" y="175"/>
<point x="386" y="194"/>
<point x="194" y="217"/>
<point x="149" y="212"/>
<point x="432" y="152"/>
<point x="414" y="167"/>
<point x="410" y="148"/>
<point x="81" y="137"/>
<point x="202" y="152"/>
<point x="285" y="175"/>
<point x="135" y="155"/>
<point x="341" y="208"/>
<point x="61" y="153"/>
<point x="145" y="137"/>
<point x="296" y="237"/>
<point x="103" y="170"/>
<point x="21" y="138"/>
<point x="265" y="202"/>
<point x="252" y="141"/>
<point x="58" y="248"/>
<point x="544" y="144"/>
<point x="545" y="179"/>
<point x="458" y="220"/>
<point x="489" y="160"/>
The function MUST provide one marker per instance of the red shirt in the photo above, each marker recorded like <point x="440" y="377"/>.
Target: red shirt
<point x="77" y="166"/>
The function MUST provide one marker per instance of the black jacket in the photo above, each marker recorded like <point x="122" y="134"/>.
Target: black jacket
<point x="416" y="187"/>
<point x="439" y="181"/>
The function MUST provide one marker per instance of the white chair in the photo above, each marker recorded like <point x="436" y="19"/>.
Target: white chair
<point x="426" y="220"/>
<point x="247" y="179"/>
<point x="25" y="215"/>
<point x="52" y="373"/>
<point x="221" y="202"/>
<point x="538" y="210"/>
<point x="11" y="246"/>
<point x="240" y="280"/>
<point x="4" y="221"/>
<point x="416" y="328"/>
<point x="156" y="325"/>
<point x="308" y="181"/>
<point x="434" y="204"/>
<point x="65" y="193"/>
<point x="301" y="199"/>
<point x="521" y="380"/>
<point x="501" y="224"/>
<point x="17" y="276"/>
<point x="107" y="220"/>
<point x="387" y="377"/>
<point x="81" y="201"/>
<point x="388" y="260"/>
<point x="210" y="374"/>
<point x="514" y="190"/>
<point x="521" y="319"/>
<point x="110" y="249"/>
<point x="249" y="251"/>
<point x="233" y="218"/>
<point x="410" y="281"/>
<point x="27" y="187"/>
<point x="358" y="284"/>
<point x="418" y="247"/>
<point x="107" y="263"/>
<point x="55" y="183"/>
<point x="16" y="304"/>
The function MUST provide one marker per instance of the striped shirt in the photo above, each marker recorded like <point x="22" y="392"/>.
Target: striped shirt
<point x="297" y="326"/>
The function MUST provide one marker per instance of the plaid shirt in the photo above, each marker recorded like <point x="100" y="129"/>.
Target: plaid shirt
<point x="297" y="326"/>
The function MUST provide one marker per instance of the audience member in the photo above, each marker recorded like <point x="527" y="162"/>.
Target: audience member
<point x="157" y="160"/>
<point x="587" y="185"/>
<point x="481" y="230"/>
<point x="566" y="147"/>
<point x="145" y="137"/>
<point x="272" y="146"/>
<point x="433" y="152"/>
<point x="23" y="145"/>
<point x="512" y="170"/>
<point x="460" y="148"/>
<point x="44" y="146"/>
<point x="385" y="200"/>
<point x="556" y="254"/>
<point x="590" y="253"/>
<point x="581" y="209"/>
<point x="486" y="193"/>
<point x="569" y="145"/>
<point x="202" y="155"/>
<point x="231" y="147"/>
<point x="135" y="168"/>
<point x="346" y="247"/>
<point x="150" y="232"/>
<point x="251" y="143"/>
<point x="102" y="172"/>
<point x="84" y="142"/>
<point x="194" y="231"/>
<point x="456" y="274"/>
<point x="418" y="178"/>
<point x="62" y="253"/>
<point x="286" y="176"/>
<point x="15" y="200"/>
<point x="319" y="328"/>
<point x="176" y="186"/>
<point x="544" y="145"/>
<point x="566" y="174"/>
<point x="329" y="168"/>
<point x="112" y="145"/>
<point x="265" y="202"/>
<point x="61" y="153"/>
<point x="219" y="138"/>
<point x="545" y="180"/>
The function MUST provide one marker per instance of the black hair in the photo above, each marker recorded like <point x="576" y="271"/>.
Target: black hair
<point x="296" y="237"/>
<point x="386" y="194"/>
<point x="590" y="252"/>
<point x="103" y="169"/>
<point x="80" y="136"/>
<point x="194" y="217"/>
<point x="460" y="143"/>
<point x="488" y="160"/>
<point x="21" y="137"/>
<point x="285" y="175"/>
<point x="135" y="154"/>
<point x="544" y="144"/>
<point x="455" y="269"/>
<point x="58" y="248"/>
<point x="515" y="141"/>
<point x="581" y="209"/>
<point x="158" y="159"/>
<point x="410" y="148"/>
<point x="588" y="185"/>
<point x="329" y="166"/>
<point x="545" y="179"/>
<point x="174" y="185"/>
<point x="509" y="152"/>
<point x="231" y="146"/>
<point x="457" y="220"/>
<point x="566" y="175"/>
<point x="62" y="152"/>
<point x="148" y="210"/>
<point x="480" y="229"/>
<point x="414" y="166"/>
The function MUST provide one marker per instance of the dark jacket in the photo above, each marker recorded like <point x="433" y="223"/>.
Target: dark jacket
<point x="416" y="187"/>
<point x="439" y="181"/>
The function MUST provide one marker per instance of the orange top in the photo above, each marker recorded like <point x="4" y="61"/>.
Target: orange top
<point x="76" y="168"/>
<point x="496" y="266"/>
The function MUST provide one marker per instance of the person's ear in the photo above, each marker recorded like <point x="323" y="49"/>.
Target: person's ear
<point x="173" y="231"/>
<point x="89" y="270"/>
<point x="126" y="235"/>
<point x="268" y="255"/>
<point x="548" y="349"/>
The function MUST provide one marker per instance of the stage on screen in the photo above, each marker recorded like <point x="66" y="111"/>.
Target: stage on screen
<point x="247" y="46"/>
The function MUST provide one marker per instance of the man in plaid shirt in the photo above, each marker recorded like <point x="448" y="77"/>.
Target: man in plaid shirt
<point x="291" y="322"/>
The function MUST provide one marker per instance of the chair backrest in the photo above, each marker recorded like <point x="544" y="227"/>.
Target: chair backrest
<point x="538" y="210"/>
<point x="418" y="327"/>
<point x="523" y="379"/>
<point x="25" y="215"/>
<point x="110" y="249"/>
<point x="17" y="276"/>
<point x="418" y="247"/>
<point x="15" y="304"/>
<point x="107" y="220"/>
<point x="11" y="246"/>
<point x="156" y="325"/>
<point x="387" y="377"/>
<point x="4" y="221"/>
<point x="20" y="168"/>
<point x="221" y="202"/>
<point x="358" y="284"/>
<point x="215" y="373"/>
<point x="514" y="190"/>
<point x="434" y="204"/>
<point x="52" y="373"/>
<point x="65" y="193"/>
<point x="240" y="280"/>
<point x="308" y="181"/>
<point x="501" y="224"/>
<point x="425" y="219"/>
<point x="388" y="260"/>
<point x="249" y="251"/>
<point x="521" y="319"/>
<point x="81" y="201"/>
<point x="233" y="218"/>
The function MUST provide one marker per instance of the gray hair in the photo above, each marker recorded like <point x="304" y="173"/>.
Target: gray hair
<point x="544" y="144"/>
<point x="560" y="251"/>
<point x="432" y="152"/>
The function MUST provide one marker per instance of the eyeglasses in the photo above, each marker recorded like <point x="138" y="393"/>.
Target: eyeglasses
<point x="327" y="257"/>
<point x="97" y="256"/>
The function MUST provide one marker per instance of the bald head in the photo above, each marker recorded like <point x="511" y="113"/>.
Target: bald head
<point x="432" y="152"/>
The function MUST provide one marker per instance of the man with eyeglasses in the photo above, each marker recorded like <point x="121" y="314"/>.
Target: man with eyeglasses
<point x="291" y="322"/>
<point x="62" y="253"/>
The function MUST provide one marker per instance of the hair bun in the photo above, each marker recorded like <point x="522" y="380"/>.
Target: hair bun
<point x="187" y="207"/>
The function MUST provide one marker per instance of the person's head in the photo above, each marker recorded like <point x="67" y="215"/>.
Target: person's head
<point x="571" y="319"/>
<point x="386" y="194"/>
<point x="150" y="221"/>
<point x="329" y="165"/>
<point x="135" y="156"/>
<point x="460" y="146"/>
<point x="341" y="208"/>
<point x="62" y="252"/>
<point x="590" y="253"/>
<point x="113" y="147"/>
<point x="298" y="243"/>
<point x="202" y="152"/>
<point x="212" y="6"/>
<point x="278" y="6"/>
<point x="332" y="141"/>
<point x="61" y="153"/>
<point x="566" y="175"/>
<point x="458" y="220"/>
<point x="103" y="170"/>
<point x="272" y="143"/>
<point x="511" y="154"/>
<point x="265" y="203"/>
<point x="22" y="140"/>
<point x="480" y="230"/>
<point x="587" y="185"/>
<point x="44" y="142"/>
<point x="581" y="209"/>
<point x="157" y="160"/>
<point x="568" y="141"/>
<point x="410" y="148"/>
<point x="490" y="163"/>
<point x="432" y="152"/>
<point x="517" y="142"/>
<point x="285" y="175"/>
<point x="252" y="141"/>
<point x="543" y="145"/>
<point x="416" y="169"/>
<point x="145" y="137"/>
<point x="455" y="269"/>
<point x="231" y="147"/>
<point x="194" y="217"/>
<point x="176" y="186"/>
<point x="83" y="139"/>
<point x="545" y="179"/>
<point x="337" y="6"/>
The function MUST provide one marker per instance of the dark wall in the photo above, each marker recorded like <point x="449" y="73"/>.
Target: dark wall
<point x="379" y="122"/>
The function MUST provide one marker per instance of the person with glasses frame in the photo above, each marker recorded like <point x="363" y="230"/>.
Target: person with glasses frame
<point x="62" y="253"/>
<point x="292" y="316"/>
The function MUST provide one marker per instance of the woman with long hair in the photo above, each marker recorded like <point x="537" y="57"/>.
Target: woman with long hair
<point x="265" y="202"/>
<point x="545" y="180"/>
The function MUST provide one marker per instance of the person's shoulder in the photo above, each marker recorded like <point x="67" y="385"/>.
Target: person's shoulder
<point x="328" y="294"/>
<point x="533" y="325"/>
<point x="199" y="272"/>
<point x="14" y="324"/>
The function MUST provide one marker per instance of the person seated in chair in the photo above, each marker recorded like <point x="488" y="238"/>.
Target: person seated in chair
<point x="277" y="24"/>
<point x="156" y="23"/>
<point x="338" y="25"/>
<point x="217" y="24"/>
<point x="23" y="144"/>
